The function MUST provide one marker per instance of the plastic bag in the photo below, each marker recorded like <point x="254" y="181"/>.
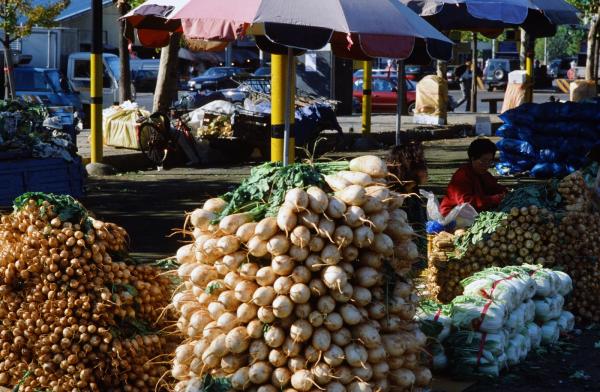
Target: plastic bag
<point x="515" y="146"/>
<point x="464" y="214"/>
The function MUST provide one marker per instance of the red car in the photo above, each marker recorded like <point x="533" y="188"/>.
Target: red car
<point x="384" y="94"/>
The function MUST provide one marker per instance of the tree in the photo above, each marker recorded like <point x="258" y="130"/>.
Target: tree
<point x="566" y="42"/>
<point x="166" y="83"/>
<point x="591" y="13"/>
<point x="125" y="93"/>
<point x="17" y="18"/>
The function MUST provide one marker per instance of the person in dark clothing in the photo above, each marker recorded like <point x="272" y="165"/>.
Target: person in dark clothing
<point x="472" y="183"/>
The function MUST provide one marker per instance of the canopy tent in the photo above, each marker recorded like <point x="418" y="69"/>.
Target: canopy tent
<point x="376" y="28"/>
<point x="539" y="18"/>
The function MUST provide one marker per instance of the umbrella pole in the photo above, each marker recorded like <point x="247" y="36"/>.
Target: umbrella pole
<point x="288" y="141"/>
<point x="474" y="78"/>
<point x="278" y="68"/>
<point x="399" y="100"/>
<point x="366" y="98"/>
<point x="529" y="68"/>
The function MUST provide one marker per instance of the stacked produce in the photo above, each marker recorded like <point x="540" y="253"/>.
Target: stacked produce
<point x="522" y="235"/>
<point x="304" y="290"/>
<point x="73" y="317"/>
<point x="25" y="132"/>
<point x="547" y="140"/>
<point x="580" y="229"/>
<point x="502" y="314"/>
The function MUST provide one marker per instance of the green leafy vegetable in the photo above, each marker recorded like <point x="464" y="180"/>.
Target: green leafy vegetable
<point x="543" y="195"/>
<point x="263" y="192"/>
<point x="485" y="225"/>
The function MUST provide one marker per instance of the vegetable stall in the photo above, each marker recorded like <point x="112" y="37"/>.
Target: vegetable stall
<point x="554" y="223"/>
<point x="37" y="152"/>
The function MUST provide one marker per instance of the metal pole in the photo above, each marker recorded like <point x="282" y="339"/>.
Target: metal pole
<point x="474" y="79"/>
<point x="278" y="69"/>
<point x="546" y="51"/>
<point x="529" y="68"/>
<point x="494" y="48"/>
<point x="48" y="52"/>
<point x="287" y="137"/>
<point x="399" y="100"/>
<point x="96" y="82"/>
<point x="229" y="55"/>
<point x="366" y="98"/>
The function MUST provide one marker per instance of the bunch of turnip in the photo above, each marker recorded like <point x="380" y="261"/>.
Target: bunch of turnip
<point x="312" y="298"/>
<point x="74" y="317"/>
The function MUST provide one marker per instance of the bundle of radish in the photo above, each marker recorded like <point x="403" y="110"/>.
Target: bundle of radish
<point x="73" y="317"/>
<point x="312" y="297"/>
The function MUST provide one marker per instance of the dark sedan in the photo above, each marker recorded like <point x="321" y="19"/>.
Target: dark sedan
<point x="215" y="78"/>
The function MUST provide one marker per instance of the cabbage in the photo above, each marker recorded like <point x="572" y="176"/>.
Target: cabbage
<point x="566" y="322"/>
<point x="566" y="284"/>
<point x="476" y="353"/>
<point x="433" y="319"/>
<point x="516" y="349"/>
<point x="524" y="332"/>
<point x="529" y="311"/>
<point x="516" y="319"/>
<point x="548" y="308"/>
<point x="550" y="332"/>
<point x="535" y="334"/>
<point x="436" y="356"/>
<point x="468" y="313"/>
<point x="522" y="276"/>
<point x="546" y="280"/>
<point x="494" y="284"/>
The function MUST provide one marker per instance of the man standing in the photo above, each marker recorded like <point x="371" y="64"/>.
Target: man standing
<point x="464" y="73"/>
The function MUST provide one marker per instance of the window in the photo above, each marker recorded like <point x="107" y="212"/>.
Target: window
<point x="382" y="85"/>
<point x="31" y="81"/>
<point x="81" y="69"/>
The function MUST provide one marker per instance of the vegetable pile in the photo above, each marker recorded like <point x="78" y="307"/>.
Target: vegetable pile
<point x="502" y="315"/>
<point x="73" y="316"/>
<point x="559" y="227"/>
<point x="524" y="235"/>
<point x="313" y="297"/>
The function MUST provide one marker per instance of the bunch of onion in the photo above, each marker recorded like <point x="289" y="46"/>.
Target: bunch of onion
<point x="528" y="235"/>
<point x="299" y="301"/>
<point x="574" y="192"/>
<point x="579" y="249"/>
<point x="71" y="314"/>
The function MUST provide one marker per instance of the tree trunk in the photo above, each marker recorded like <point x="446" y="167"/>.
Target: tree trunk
<point x="441" y="69"/>
<point x="9" y="72"/>
<point x="590" y="62"/>
<point x="523" y="49"/>
<point x="124" y="67"/>
<point x="166" y="83"/>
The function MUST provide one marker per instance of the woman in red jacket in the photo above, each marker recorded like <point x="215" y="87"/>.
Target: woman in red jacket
<point x="473" y="183"/>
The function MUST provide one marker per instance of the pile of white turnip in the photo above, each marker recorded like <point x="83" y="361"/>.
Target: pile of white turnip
<point x="311" y="299"/>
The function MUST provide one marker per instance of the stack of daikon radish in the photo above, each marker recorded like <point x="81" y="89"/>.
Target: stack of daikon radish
<point x="312" y="298"/>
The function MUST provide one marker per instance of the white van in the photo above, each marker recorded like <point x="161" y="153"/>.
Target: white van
<point x="78" y="73"/>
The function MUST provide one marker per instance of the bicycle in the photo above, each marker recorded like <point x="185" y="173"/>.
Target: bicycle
<point x="160" y="137"/>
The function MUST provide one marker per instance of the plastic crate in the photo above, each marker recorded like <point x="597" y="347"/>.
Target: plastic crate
<point x="51" y="175"/>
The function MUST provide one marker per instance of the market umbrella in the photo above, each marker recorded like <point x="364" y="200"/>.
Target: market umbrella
<point x="538" y="17"/>
<point x="378" y="28"/>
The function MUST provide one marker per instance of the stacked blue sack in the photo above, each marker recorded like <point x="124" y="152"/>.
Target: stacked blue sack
<point x="547" y="140"/>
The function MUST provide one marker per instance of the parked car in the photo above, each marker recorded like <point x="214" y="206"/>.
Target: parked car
<point x="46" y="86"/>
<point x="384" y="94"/>
<point x="144" y="73"/>
<point x="215" y="78"/>
<point x="558" y="67"/>
<point x="262" y="71"/>
<point x="417" y="72"/>
<point x="451" y="77"/>
<point x="495" y="74"/>
<point x="358" y="74"/>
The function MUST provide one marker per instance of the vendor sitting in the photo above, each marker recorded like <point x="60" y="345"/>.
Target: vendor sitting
<point x="473" y="183"/>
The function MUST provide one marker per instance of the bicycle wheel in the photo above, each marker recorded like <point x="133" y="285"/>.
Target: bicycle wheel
<point x="153" y="143"/>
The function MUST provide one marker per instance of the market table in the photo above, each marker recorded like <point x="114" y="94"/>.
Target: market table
<point x="493" y="102"/>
